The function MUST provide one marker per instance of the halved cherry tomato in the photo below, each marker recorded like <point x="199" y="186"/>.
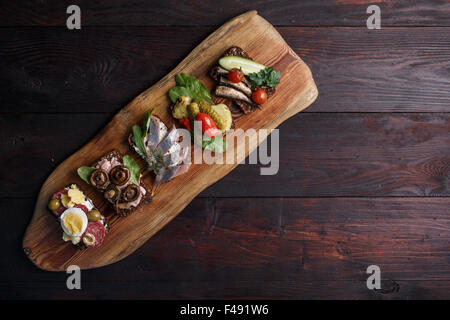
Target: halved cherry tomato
<point x="259" y="96"/>
<point x="208" y="125"/>
<point x="185" y="122"/>
<point x="235" y="75"/>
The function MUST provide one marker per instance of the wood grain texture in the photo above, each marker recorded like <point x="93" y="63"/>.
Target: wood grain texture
<point x="296" y="91"/>
<point x="55" y="70"/>
<point x="261" y="248"/>
<point x="359" y="154"/>
<point x="236" y="248"/>
<point x="172" y="12"/>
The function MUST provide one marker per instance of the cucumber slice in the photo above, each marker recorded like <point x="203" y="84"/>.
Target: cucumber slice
<point x="246" y="65"/>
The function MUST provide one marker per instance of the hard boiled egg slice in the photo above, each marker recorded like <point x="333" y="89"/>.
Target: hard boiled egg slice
<point x="74" y="222"/>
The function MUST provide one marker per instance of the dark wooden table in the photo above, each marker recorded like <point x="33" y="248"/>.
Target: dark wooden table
<point x="364" y="176"/>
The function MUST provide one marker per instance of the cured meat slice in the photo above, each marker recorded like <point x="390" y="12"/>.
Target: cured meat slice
<point x="98" y="230"/>
<point x="57" y="195"/>
<point x="82" y="207"/>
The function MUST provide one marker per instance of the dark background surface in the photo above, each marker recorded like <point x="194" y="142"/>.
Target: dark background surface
<point x="364" y="175"/>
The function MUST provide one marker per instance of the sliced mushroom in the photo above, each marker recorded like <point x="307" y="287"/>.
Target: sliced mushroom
<point x="112" y="193"/>
<point x="119" y="175"/>
<point x="131" y="192"/>
<point x="99" y="179"/>
<point x="122" y="206"/>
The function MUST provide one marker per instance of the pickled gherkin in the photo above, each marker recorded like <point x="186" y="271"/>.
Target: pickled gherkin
<point x="193" y="109"/>
<point x="219" y="113"/>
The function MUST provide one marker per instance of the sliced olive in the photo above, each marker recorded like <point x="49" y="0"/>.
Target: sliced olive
<point x="112" y="193"/>
<point x="94" y="215"/>
<point x="88" y="239"/>
<point x="131" y="193"/>
<point x="99" y="179"/>
<point x="54" y="204"/>
<point x="119" y="175"/>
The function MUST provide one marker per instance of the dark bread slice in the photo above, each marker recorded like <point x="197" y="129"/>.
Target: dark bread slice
<point x="236" y="51"/>
<point x="123" y="212"/>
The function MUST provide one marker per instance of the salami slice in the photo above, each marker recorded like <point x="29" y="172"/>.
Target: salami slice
<point x="57" y="195"/>
<point x="97" y="229"/>
<point x="82" y="207"/>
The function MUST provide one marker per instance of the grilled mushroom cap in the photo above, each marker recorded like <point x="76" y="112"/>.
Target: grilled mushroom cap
<point x="112" y="193"/>
<point x="131" y="193"/>
<point x="119" y="175"/>
<point x="99" y="179"/>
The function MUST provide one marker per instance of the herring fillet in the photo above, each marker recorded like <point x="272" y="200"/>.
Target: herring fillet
<point x="156" y="132"/>
<point x="167" y="143"/>
<point x="226" y="92"/>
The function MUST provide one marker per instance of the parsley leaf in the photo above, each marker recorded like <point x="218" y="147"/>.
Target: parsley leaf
<point x="267" y="77"/>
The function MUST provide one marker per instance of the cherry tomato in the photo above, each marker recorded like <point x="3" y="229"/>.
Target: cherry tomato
<point x="208" y="125"/>
<point x="185" y="122"/>
<point x="235" y="75"/>
<point x="259" y="96"/>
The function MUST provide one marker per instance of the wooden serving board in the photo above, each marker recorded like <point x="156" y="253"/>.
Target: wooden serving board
<point x="42" y="241"/>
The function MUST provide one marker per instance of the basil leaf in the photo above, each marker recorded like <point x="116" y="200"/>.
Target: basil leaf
<point x="135" y="171"/>
<point x="192" y="88"/>
<point x="216" y="144"/>
<point x="179" y="91"/>
<point x="138" y="140"/>
<point x="180" y="79"/>
<point x="85" y="173"/>
<point x="146" y="123"/>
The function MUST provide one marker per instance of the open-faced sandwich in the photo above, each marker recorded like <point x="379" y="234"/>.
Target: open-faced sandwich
<point x="81" y="222"/>
<point x="161" y="148"/>
<point x="194" y="108"/>
<point x="243" y="81"/>
<point x="119" y="179"/>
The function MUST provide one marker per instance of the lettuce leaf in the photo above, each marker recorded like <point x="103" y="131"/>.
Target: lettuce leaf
<point x="135" y="171"/>
<point x="85" y="173"/>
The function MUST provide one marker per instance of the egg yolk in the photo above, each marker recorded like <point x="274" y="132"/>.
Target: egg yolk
<point x="73" y="223"/>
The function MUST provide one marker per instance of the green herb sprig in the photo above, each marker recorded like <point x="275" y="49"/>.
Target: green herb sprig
<point x="265" y="77"/>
